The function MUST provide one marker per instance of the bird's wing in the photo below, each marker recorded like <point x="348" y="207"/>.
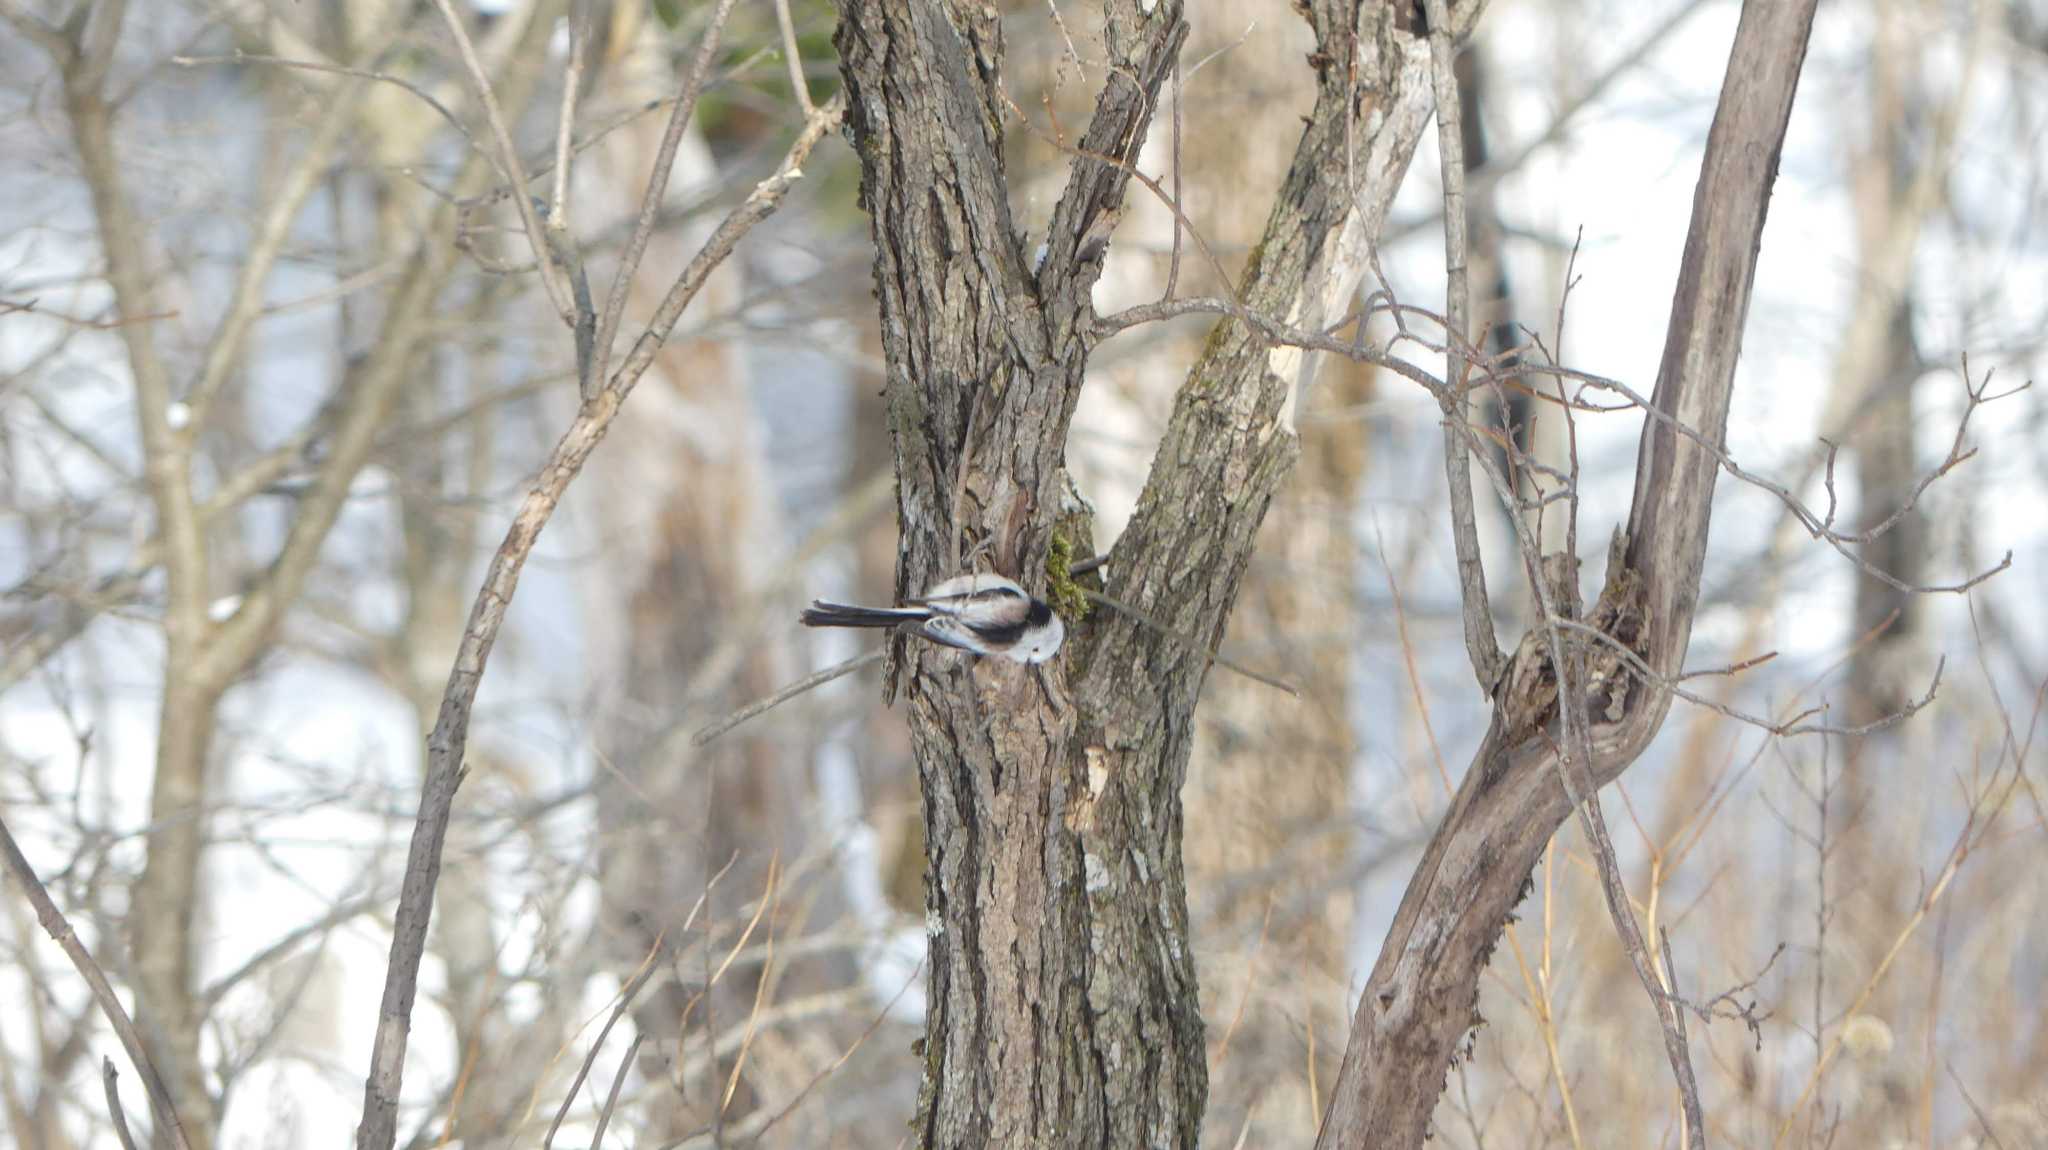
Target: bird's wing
<point x="949" y="632"/>
<point x="965" y="589"/>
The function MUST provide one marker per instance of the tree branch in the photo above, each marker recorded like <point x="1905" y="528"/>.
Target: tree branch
<point x="59" y="929"/>
<point x="246" y="302"/>
<point x="1480" y="643"/>
<point x="553" y="275"/>
<point x="593" y="369"/>
<point x="1418" y="1003"/>
<point x="445" y="745"/>
<point x="1230" y="442"/>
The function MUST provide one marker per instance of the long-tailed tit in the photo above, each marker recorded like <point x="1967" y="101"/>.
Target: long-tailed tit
<point x="985" y="614"/>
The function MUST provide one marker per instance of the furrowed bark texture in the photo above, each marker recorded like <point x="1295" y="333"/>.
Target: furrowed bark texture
<point x="1420" y="1000"/>
<point x="1063" y="1003"/>
<point x="982" y="350"/>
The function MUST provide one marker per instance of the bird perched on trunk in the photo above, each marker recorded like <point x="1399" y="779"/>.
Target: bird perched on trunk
<point x="985" y="614"/>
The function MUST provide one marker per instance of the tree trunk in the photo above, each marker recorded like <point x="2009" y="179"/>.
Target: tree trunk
<point x="1062" y="1005"/>
<point x="167" y="903"/>
<point x="1419" y="1003"/>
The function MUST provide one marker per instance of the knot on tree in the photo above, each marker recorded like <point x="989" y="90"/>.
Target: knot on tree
<point x="1525" y="697"/>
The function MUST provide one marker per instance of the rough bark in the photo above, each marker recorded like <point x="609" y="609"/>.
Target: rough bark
<point x="1063" y="1007"/>
<point x="1419" y="1002"/>
<point x="977" y="346"/>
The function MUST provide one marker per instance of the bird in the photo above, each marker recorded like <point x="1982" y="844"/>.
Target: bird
<point x="984" y="614"/>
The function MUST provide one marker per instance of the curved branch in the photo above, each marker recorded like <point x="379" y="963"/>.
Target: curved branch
<point x="1418" y="1004"/>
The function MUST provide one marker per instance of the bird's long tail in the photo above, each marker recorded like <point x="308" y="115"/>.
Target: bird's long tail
<point x="825" y="614"/>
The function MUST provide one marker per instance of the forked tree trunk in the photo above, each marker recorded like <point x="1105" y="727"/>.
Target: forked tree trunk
<point x="1062" y="1005"/>
<point x="1419" y="1002"/>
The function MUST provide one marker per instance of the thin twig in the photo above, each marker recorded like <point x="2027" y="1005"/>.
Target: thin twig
<point x="565" y="124"/>
<point x="553" y="275"/>
<point x="59" y="929"/>
<point x="46" y="35"/>
<point x="794" y="58"/>
<point x="1819" y="525"/>
<point x="450" y="736"/>
<point x="400" y="82"/>
<point x="1669" y="1020"/>
<point x="110" y="1078"/>
<point x="649" y="967"/>
<point x="1149" y="183"/>
<point x="1688" y="1090"/>
<point x="1480" y="643"/>
<point x="1976" y="828"/>
<point x="1190" y="643"/>
<point x="769" y="905"/>
<point x="822" y="1075"/>
<point x="1983" y="1119"/>
<point x="1173" y="264"/>
<point x="1443" y="774"/>
<point x="611" y="1100"/>
<point x="1786" y="728"/>
<point x="809" y="682"/>
<point x="1736" y="1011"/>
<point x="1537" y="987"/>
<point x="594" y="372"/>
<point x="218" y="988"/>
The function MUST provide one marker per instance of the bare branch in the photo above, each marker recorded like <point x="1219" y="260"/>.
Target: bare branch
<point x="790" y="1107"/>
<point x="1216" y="657"/>
<point x="450" y="735"/>
<point x="1818" y="524"/>
<point x="59" y="929"/>
<point x="1782" y="729"/>
<point x="1416" y="1005"/>
<point x="648" y="969"/>
<point x="793" y="57"/>
<point x="1480" y="643"/>
<point x="47" y="36"/>
<point x="110" y="1078"/>
<point x="246" y="302"/>
<point x="809" y="682"/>
<point x="594" y="370"/>
<point x="286" y="943"/>
<point x="322" y="66"/>
<point x="552" y="274"/>
<point x="565" y="124"/>
<point x="611" y="1100"/>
